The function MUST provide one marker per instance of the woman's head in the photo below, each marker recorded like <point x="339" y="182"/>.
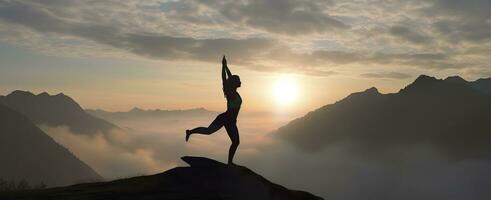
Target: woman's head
<point x="234" y="82"/>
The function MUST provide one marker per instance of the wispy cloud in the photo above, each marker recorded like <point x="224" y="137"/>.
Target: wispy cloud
<point x="264" y="35"/>
<point x="390" y="75"/>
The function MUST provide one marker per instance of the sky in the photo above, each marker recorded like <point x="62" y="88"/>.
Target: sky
<point x="116" y="55"/>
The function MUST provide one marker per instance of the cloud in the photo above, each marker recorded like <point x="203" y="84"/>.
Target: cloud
<point x="423" y="60"/>
<point x="390" y="75"/>
<point x="464" y="31"/>
<point x="288" y="17"/>
<point x="204" y="50"/>
<point x="154" y="46"/>
<point x="409" y="34"/>
<point x="320" y="38"/>
<point x="155" y="144"/>
<point x="462" y="21"/>
<point x="110" y="155"/>
<point x="247" y="51"/>
<point x="337" y="172"/>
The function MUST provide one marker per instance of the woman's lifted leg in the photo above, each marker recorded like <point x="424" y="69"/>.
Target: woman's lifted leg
<point x="213" y="127"/>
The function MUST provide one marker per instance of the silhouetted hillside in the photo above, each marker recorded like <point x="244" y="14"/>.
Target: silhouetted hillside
<point x="483" y="85"/>
<point x="28" y="153"/>
<point x="55" y="110"/>
<point x="204" y="179"/>
<point x="137" y="113"/>
<point x="450" y="115"/>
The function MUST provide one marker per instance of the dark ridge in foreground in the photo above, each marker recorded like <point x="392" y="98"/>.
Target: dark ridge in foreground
<point x="204" y="179"/>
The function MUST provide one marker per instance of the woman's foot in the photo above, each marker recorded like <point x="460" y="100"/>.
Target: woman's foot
<point x="188" y="133"/>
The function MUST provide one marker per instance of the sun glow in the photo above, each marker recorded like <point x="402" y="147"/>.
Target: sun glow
<point x="285" y="90"/>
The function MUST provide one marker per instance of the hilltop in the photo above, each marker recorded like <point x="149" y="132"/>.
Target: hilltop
<point x="203" y="179"/>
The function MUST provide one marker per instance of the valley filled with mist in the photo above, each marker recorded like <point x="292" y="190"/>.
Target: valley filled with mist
<point x="367" y="144"/>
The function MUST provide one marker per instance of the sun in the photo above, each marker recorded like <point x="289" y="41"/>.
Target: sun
<point x="285" y="90"/>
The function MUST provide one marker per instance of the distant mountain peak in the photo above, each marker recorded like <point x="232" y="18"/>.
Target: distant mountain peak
<point x="20" y="93"/>
<point x="424" y="82"/>
<point x="61" y="95"/>
<point x="372" y="90"/>
<point x="456" y="79"/>
<point x="425" y="79"/>
<point x="198" y="109"/>
<point x="55" y="110"/>
<point x="136" y="109"/>
<point x="43" y="94"/>
<point x="139" y="110"/>
<point x="368" y="92"/>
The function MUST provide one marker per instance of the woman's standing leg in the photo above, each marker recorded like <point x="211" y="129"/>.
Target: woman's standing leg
<point x="233" y="133"/>
<point x="213" y="127"/>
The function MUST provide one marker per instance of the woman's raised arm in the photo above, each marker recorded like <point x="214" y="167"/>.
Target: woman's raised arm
<point x="224" y="62"/>
<point x="224" y="70"/>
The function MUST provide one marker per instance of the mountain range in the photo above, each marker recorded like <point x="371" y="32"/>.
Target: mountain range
<point x="27" y="153"/>
<point x="55" y="110"/>
<point x="453" y="115"/>
<point x="137" y="113"/>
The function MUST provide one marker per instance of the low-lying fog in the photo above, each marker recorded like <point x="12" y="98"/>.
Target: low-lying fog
<point x="153" y="145"/>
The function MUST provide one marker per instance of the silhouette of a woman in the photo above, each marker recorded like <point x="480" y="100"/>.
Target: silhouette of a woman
<point x="229" y="117"/>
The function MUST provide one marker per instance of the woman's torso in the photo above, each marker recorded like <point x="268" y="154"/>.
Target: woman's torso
<point x="234" y="101"/>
